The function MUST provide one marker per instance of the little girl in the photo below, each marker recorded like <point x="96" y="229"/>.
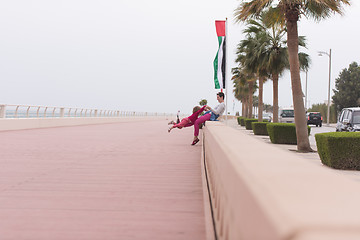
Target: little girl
<point x="189" y="121"/>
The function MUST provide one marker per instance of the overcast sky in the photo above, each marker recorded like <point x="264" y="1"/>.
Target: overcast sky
<point x="143" y="55"/>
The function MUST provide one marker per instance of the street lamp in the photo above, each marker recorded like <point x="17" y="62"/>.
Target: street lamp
<point x="328" y="110"/>
<point x="306" y="95"/>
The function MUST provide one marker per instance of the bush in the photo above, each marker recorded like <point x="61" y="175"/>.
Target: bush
<point x="242" y="121"/>
<point x="259" y="128"/>
<point x="283" y="133"/>
<point x="248" y="122"/>
<point x="239" y="120"/>
<point x="339" y="150"/>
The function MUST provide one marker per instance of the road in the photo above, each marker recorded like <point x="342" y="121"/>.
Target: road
<point x="315" y="130"/>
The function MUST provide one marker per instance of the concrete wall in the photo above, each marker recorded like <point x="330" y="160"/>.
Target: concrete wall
<point x="29" y="123"/>
<point x="262" y="192"/>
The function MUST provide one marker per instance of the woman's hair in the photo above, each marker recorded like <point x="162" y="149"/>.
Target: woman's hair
<point x="196" y="108"/>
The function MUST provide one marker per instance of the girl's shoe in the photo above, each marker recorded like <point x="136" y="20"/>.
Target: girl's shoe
<point x="195" y="141"/>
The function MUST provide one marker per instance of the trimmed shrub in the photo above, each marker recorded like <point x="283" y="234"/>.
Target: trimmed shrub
<point x="242" y="121"/>
<point x="239" y="120"/>
<point x="339" y="150"/>
<point x="283" y="133"/>
<point x="248" y="122"/>
<point x="259" y="128"/>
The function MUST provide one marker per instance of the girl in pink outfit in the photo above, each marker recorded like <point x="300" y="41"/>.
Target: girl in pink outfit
<point x="189" y="121"/>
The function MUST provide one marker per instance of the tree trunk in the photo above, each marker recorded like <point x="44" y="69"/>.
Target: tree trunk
<point x="243" y="107"/>
<point x="251" y="87"/>
<point x="275" y="79"/>
<point x="247" y="107"/>
<point x="303" y="143"/>
<point x="260" y="107"/>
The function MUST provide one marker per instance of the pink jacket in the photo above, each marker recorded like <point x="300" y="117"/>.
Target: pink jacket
<point x="195" y="115"/>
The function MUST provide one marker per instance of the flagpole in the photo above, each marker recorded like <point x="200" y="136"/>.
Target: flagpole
<point x="226" y="69"/>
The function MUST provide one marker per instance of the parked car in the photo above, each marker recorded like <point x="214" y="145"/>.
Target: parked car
<point x="314" y="118"/>
<point x="349" y="120"/>
<point x="286" y="115"/>
<point x="266" y="116"/>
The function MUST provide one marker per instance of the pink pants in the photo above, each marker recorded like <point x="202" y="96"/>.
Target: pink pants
<point x="185" y="122"/>
<point x="200" y="120"/>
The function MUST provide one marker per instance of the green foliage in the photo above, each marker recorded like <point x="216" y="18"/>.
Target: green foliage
<point x="339" y="150"/>
<point x="279" y="10"/>
<point x="268" y="108"/>
<point x="255" y="101"/>
<point x="244" y="84"/>
<point x="248" y="122"/>
<point x="287" y="13"/>
<point x="242" y="121"/>
<point x="283" y="133"/>
<point x="239" y="120"/>
<point x="347" y="85"/>
<point x="259" y="128"/>
<point x="322" y="108"/>
<point x="203" y="102"/>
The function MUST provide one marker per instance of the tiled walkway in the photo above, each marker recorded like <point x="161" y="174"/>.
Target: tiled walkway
<point x="120" y="181"/>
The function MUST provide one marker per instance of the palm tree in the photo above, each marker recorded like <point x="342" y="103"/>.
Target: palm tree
<point x="243" y="89"/>
<point x="240" y="89"/>
<point x="272" y="53"/>
<point x="249" y="65"/>
<point x="268" y="108"/>
<point x="289" y="12"/>
<point x="277" y="62"/>
<point x="250" y="55"/>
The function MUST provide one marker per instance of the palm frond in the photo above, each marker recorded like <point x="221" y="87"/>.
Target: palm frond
<point x="250" y="9"/>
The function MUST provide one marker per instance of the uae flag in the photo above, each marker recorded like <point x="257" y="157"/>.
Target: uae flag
<point x="220" y="59"/>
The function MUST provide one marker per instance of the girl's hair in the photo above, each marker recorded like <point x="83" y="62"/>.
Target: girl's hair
<point x="196" y="108"/>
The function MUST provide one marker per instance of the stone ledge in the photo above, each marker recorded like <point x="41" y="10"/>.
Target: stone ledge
<point x="262" y="192"/>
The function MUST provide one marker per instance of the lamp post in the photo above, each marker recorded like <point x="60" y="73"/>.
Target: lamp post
<point x="328" y="110"/>
<point x="306" y="90"/>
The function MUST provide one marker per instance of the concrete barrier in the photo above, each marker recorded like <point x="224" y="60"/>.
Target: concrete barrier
<point x="262" y="192"/>
<point x="29" y="123"/>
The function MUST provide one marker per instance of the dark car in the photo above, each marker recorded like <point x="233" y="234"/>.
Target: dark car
<point x="349" y="120"/>
<point x="314" y="118"/>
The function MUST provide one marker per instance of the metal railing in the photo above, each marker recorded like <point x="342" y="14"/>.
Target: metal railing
<point x="30" y="111"/>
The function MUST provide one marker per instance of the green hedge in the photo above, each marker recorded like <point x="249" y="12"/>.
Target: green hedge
<point x="283" y="133"/>
<point x="239" y="120"/>
<point x="242" y="121"/>
<point x="339" y="150"/>
<point x="259" y="128"/>
<point x="248" y="122"/>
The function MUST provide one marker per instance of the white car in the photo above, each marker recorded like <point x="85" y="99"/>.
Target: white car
<point x="349" y="120"/>
<point x="286" y="115"/>
<point x="267" y="116"/>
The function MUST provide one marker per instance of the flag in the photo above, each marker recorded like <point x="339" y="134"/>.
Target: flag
<point x="220" y="59"/>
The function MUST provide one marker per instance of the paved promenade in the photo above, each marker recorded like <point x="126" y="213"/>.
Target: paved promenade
<point x="118" y="181"/>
